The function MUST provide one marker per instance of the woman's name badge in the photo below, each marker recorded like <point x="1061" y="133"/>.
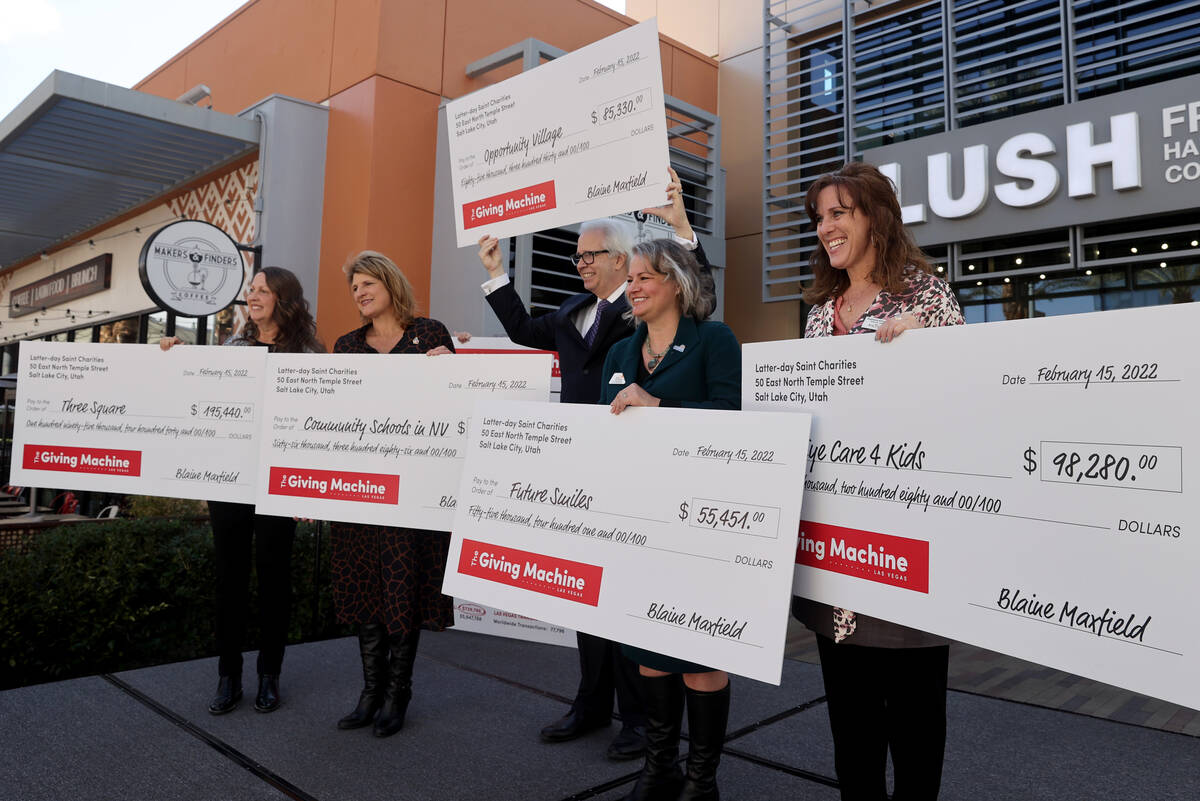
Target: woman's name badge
<point x="873" y="323"/>
<point x="617" y="378"/>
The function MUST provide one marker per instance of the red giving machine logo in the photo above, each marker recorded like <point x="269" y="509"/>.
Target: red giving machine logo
<point x="107" y="461"/>
<point x="334" y="485"/>
<point x="549" y="575"/>
<point x="516" y="203"/>
<point x="898" y="561"/>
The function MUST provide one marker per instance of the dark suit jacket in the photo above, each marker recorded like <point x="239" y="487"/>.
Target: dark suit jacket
<point x="579" y="364"/>
<point x="701" y="370"/>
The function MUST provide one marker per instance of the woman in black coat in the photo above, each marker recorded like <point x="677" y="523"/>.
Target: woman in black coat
<point x="279" y="320"/>
<point x="676" y="357"/>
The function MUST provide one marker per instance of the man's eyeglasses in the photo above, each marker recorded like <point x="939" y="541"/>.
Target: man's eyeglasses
<point x="587" y="256"/>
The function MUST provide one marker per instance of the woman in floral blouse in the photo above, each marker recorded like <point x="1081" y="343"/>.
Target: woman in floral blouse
<point x="885" y="683"/>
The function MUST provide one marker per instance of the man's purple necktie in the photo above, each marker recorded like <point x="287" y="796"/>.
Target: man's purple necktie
<point x="590" y="336"/>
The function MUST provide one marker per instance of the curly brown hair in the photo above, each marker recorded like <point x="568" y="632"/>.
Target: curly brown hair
<point x="863" y="188"/>
<point x="297" y="329"/>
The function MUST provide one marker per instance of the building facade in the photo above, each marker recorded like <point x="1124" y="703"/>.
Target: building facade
<point x="1046" y="151"/>
<point x="377" y="74"/>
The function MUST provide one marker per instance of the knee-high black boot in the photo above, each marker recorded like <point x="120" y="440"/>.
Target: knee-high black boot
<point x="661" y="779"/>
<point x="399" y="686"/>
<point x="373" y="647"/>
<point x="708" y="715"/>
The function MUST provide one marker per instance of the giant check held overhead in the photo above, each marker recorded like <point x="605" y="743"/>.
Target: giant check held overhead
<point x="133" y="419"/>
<point x="670" y="529"/>
<point x="371" y="439"/>
<point x="1029" y="486"/>
<point x="580" y="137"/>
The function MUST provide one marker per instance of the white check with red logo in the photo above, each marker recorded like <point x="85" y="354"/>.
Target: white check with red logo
<point x="668" y="529"/>
<point x="1028" y="486"/>
<point x="579" y="137"/>
<point x="133" y="419"/>
<point x="370" y="439"/>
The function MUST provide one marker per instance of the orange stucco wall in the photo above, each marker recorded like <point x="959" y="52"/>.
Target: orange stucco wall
<point x="383" y="66"/>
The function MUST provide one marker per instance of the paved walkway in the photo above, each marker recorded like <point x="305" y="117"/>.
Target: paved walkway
<point x="472" y="734"/>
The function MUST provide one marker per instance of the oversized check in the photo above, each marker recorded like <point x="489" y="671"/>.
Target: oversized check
<point x="378" y="439"/>
<point x="1030" y="486"/>
<point x="669" y="529"/>
<point x="133" y="419"/>
<point x="580" y="137"/>
<point x="504" y="345"/>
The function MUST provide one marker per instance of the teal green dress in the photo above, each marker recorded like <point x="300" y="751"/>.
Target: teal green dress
<point x="701" y="370"/>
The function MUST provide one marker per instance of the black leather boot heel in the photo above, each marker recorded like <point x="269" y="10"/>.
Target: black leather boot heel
<point x="373" y="648"/>
<point x="399" y="686"/>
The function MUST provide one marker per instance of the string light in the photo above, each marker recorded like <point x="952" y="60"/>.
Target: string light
<point x="137" y="229"/>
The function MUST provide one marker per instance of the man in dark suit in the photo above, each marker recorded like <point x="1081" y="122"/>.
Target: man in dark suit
<point x="582" y="330"/>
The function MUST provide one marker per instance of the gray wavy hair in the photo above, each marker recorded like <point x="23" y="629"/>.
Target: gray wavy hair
<point x="697" y="289"/>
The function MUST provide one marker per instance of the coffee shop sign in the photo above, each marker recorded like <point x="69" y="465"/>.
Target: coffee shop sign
<point x="1142" y="160"/>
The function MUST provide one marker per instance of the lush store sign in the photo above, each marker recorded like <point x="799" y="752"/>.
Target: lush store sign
<point x="1122" y="155"/>
<point x="94" y="275"/>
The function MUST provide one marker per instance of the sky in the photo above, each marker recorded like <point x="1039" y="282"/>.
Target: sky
<point x="115" y="41"/>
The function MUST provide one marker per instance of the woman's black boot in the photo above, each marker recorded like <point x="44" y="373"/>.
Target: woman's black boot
<point x="373" y="646"/>
<point x="661" y="779"/>
<point x="708" y="714"/>
<point x="399" y="686"/>
<point x="229" y="692"/>
<point x="267" y="699"/>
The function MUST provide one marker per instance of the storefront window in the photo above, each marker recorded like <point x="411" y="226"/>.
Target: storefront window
<point x="186" y="329"/>
<point x="220" y="326"/>
<point x="156" y="327"/>
<point x="1090" y="291"/>
<point x="122" y="331"/>
<point x="84" y="334"/>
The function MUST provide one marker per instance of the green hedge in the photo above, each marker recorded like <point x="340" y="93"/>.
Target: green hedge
<point x="103" y="597"/>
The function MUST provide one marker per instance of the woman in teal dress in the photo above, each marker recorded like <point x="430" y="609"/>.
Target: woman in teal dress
<point x="675" y="357"/>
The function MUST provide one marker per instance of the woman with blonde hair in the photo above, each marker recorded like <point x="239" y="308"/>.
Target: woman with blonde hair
<point x="387" y="580"/>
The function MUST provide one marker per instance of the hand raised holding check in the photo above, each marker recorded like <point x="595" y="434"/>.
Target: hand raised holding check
<point x="490" y="256"/>
<point x="673" y="213"/>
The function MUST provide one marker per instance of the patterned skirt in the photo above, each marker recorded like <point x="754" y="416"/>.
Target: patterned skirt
<point x="393" y="576"/>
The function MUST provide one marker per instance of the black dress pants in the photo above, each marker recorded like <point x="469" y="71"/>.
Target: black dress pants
<point x="236" y="531"/>
<point x="881" y="698"/>
<point x="603" y="669"/>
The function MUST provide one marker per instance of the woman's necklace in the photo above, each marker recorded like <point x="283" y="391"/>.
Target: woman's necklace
<point x="655" y="358"/>
<point x="848" y="305"/>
